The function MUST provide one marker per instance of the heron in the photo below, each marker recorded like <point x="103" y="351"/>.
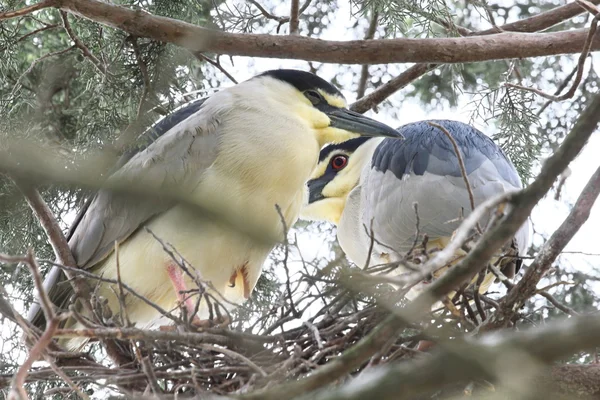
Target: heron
<point x="240" y="160"/>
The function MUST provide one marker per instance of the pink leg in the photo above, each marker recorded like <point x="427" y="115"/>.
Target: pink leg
<point x="176" y="276"/>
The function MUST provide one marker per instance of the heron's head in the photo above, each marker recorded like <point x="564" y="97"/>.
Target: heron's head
<point x="320" y="104"/>
<point x="337" y="173"/>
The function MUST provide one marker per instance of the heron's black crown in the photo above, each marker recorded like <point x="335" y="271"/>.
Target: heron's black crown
<point x="303" y="80"/>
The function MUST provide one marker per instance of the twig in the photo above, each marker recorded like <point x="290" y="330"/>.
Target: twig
<point x="285" y="261"/>
<point x="216" y="64"/>
<point x="17" y="389"/>
<point x="143" y="103"/>
<point x="89" y="275"/>
<point x="558" y="304"/>
<point x="84" y="49"/>
<point x="235" y="355"/>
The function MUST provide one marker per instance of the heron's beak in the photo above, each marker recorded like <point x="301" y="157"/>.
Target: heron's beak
<point x="315" y="189"/>
<point x="351" y="121"/>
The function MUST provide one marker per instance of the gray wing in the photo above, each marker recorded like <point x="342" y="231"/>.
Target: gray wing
<point x="184" y="145"/>
<point x="424" y="169"/>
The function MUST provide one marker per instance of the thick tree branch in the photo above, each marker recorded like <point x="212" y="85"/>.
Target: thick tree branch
<point x="463" y="361"/>
<point x="443" y="50"/>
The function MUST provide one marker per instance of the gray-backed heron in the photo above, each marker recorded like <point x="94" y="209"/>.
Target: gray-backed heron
<point x="368" y="187"/>
<point x="236" y="155"/>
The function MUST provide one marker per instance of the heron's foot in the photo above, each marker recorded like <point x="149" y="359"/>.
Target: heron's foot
<point x="181" y="290"/>
<point x="425" y="345"/>
<point x="219" y="322"/>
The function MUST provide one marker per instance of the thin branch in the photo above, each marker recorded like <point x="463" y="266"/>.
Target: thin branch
<point x="80" y="45"/>
<point x="27" y="10"/>
<point x="541" y="21"/>
<point x="142" y="105"/>
<point x="294" y="14"/>
<point x="216" y="64"/>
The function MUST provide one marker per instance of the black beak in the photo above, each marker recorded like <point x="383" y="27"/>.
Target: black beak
<point x="351" y="121"/>
<point x="315" y="189"/>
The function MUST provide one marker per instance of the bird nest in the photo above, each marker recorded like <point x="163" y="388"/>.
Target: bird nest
<point x="314" y="317"/>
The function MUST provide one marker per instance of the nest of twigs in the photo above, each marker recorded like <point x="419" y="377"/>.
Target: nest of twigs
<point x="313" y="318"/>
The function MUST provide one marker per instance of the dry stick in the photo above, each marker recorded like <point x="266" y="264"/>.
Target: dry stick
<point x="364" y="72"/>
<point x="526" y="287"/>
<point x="233" y="355"/>
<point x="84" y="49"/>
<point x="82" y="272"/>
<point x="17" y="389"/>
<point x="488" y="245"/>
<point x="64" y="256"/>
<point x="215" y="64"/>
<point x="57" y="240"/>
<point x="294" y="14"/>
<point x="580" y="65"/>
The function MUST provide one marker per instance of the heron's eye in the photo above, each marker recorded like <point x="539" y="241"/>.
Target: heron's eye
<point x="314" y="96"/>
<point x="339" y="162"/>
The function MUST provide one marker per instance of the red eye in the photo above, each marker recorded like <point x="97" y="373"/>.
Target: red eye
<point x="339" y="162"/>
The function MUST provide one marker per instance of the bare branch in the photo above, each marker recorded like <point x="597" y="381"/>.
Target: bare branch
<point x="80" y="45"/>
